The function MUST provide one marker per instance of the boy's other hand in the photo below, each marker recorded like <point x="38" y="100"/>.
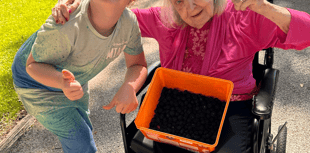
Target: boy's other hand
<point x="125" y="100"/>
<point x="62" y="10"/>
<point x="71" y="88"/>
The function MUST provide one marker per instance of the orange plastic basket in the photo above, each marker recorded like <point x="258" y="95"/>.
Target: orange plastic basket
<point x="199" y="84"/>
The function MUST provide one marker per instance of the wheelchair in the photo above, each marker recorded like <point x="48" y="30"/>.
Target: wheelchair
<point x="262" y="105"/>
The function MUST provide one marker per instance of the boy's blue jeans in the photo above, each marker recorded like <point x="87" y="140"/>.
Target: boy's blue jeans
<point x="66" y="119"/>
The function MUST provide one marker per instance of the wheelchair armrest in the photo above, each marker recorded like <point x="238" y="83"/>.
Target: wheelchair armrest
<point x="263" y="101"/>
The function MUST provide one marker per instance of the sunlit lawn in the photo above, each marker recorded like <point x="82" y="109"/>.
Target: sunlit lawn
<point x="18" y="20"/>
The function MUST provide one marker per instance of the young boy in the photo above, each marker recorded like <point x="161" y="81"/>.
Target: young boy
<point x="52" y="68"/>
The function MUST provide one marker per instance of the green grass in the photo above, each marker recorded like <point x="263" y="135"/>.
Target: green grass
<point x="18" y="20"/>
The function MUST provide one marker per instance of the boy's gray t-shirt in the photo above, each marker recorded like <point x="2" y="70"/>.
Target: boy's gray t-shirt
<point x="79" y="48"/>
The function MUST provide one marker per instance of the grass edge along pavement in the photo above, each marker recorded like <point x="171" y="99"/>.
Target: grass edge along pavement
<point x="18" y="20"/>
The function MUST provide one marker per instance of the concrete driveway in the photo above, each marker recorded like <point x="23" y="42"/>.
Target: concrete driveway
<point x="292" y="102"/>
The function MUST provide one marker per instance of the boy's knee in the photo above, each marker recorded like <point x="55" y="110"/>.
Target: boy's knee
<point x="72" y="129"/>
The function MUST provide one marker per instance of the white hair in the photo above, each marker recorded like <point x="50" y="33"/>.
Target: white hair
<point x="171" y="18"/>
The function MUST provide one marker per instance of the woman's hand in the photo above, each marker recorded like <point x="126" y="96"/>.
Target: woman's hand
<point x="254" y="5"/>
<point x="62" y="10"/>
<point x="71" y="88"/>
<point x="125" y="100"/>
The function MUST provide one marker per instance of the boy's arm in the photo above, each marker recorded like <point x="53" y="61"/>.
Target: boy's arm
<point x="136" y="70"/>
<point x="125" y="99"/>
<point x="51" y="48"/>
<point x="47" y="75"/>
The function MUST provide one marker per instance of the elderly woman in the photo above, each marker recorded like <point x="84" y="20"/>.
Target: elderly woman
<point x="219" y="38"/>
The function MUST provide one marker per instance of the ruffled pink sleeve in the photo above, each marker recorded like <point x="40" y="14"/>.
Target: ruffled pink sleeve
<point x="298" y="36"/>
<point x="253" y="32"/>
<point x="270" y="35"/>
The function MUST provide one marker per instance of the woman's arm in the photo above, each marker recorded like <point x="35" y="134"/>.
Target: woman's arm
<point x="149" y="19"/>
<point x="277" y="14"/>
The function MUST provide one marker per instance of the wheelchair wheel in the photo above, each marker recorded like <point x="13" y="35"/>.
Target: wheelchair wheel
<point x="281" y="142"/>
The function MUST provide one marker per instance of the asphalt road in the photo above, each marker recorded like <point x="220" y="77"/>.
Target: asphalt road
<point x="292" y="102"/>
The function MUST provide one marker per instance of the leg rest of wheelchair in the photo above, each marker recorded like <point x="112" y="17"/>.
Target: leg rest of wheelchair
<point x="141" y="144"/>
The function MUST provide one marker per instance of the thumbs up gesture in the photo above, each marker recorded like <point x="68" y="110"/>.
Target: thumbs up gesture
<point x="71" y="88"/>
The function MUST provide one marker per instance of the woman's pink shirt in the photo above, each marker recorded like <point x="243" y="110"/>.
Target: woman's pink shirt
<point x="232" y="41"/>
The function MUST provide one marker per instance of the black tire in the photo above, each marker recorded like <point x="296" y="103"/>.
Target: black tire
<point x="281" y="142"/>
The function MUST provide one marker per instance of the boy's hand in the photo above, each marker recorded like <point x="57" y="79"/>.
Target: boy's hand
<point x="62" y="10"/>
<point x="71" y="88"/>
<point x="125" y="100"/>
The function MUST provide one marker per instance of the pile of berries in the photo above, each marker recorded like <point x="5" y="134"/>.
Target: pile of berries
<point x="188" y="115"/>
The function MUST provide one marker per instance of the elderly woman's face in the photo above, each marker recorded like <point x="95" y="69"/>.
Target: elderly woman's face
<point x="194" y="12"/>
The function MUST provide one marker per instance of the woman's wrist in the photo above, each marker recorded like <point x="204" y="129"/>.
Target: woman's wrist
<point x="262" y="9"/>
